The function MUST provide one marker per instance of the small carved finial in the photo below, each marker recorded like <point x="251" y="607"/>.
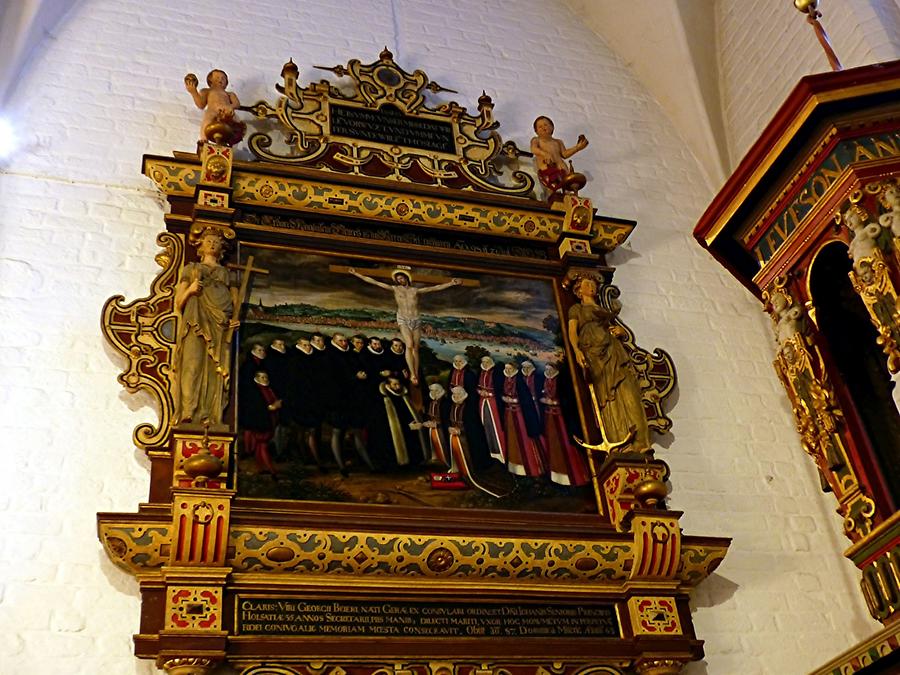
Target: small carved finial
<point x="290" y="68"/>
<point x="386" y="54"/>
<point x="811" y="9"/>
<point x="484" y="100"/>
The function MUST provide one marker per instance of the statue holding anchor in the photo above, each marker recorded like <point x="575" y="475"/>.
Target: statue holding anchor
<point x="608" y="370"/>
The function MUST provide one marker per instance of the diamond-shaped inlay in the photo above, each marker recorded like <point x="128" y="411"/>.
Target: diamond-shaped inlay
<point x="515" y="562"/>
<point x="360" y="557"/>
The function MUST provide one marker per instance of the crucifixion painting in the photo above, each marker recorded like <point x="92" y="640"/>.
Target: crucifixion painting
<point x="409" y="321"/>
<point x="352" y="357"/>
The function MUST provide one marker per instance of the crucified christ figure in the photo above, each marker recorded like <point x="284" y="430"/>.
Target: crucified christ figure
<point x="408" y="319"/>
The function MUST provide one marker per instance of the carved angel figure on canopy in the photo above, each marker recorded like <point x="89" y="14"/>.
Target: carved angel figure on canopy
<point x="219" y="105"/>
<point x="549" y="156"/>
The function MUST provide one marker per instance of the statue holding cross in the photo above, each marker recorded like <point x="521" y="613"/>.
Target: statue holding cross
<point x="407" y="298"/>
<point x="208" y="309"/>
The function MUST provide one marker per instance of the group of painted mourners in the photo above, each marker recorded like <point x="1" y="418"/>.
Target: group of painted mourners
<point x="359" y="388"/>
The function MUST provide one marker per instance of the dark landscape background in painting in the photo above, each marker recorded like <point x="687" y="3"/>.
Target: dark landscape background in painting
<point x="511" y="319"/>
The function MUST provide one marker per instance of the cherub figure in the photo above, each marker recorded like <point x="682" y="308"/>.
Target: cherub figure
<point x="890" y="199"/>
<point x="865" y="234"/>
<point x="218" y="106"/>
<point x="550" y="154"/>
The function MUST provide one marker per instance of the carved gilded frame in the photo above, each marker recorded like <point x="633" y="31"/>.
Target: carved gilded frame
<point x="197" y="549"/>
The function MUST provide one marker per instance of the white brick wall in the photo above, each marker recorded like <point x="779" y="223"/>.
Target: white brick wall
<point x="78" y="225"/>
<point x="766" y="46"/>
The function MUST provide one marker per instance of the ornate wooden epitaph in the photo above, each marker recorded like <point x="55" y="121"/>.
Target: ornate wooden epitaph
<point x="395" y="463"/>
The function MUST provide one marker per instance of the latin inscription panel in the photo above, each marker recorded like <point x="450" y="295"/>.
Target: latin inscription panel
<point x="390" y="126"/>
<point x="300" y="617"/>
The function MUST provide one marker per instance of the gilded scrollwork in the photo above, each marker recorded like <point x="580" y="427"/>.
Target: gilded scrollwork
<point x="387" y="206"/>
<point x="138" y="549"/>
<point x="188" y="666"/>
<point x="698" y="562"/>
<point x="858" y="511"/>
<point x="659" y="666"/>
<point x="172" y="178"/>
<point x="143" y="548"/>
<point x="144" y="332"/>
<point x="177" y="178"/>
<point x="655" y="370"/>
<point x="609" y="234"/>
<point x="330" y="128"/>
<point x="872" y="282"/>
<point x="359" y="553"/>
<point x="817" y="413"/>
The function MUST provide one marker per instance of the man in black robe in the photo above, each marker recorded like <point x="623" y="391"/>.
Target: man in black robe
<point x="277" y="366"/>
<point x="254" y="362"/>
<point x="396" y="359"/>
<point x="398" y="432"/>
<point x="258" y="412"/>
<point x="303" y="409"/>
<point x="345" y="393"/>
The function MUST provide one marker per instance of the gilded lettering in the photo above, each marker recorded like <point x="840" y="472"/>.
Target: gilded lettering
<point x="862" y="152"/>
<point x="886" y="147"/>
<point x="806" y="197"/>
<point x="820" y="185"/>
<point x="794" y="219"/>
<point x="774" y="239"/>
<point x="831" y="175"/>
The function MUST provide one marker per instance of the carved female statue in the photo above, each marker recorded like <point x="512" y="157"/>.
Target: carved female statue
<point x="865" y="233"/>
<point x="205" y="303"/>
<point x="890" y="198"/>
<point x="607" y="367"/>
<point x="788" y="319"/>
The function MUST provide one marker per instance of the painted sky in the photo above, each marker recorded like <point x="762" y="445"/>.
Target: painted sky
<point x="295" y="277"/>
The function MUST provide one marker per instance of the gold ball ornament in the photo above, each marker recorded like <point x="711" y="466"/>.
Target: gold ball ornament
<point x="650" y="492"/>
<point x="204" y="465"/>
<point x="574" y="182"/>
<point x="806" y="6"/>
